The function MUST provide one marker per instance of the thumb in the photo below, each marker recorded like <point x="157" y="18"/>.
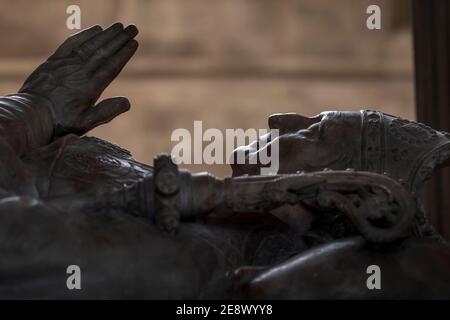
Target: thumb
<point x="283" y="121"/>
<point x="291" y="122"/>
<point x="103" y="112"/>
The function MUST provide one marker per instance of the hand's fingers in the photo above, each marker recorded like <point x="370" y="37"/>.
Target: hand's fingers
<point x="291" y="122"/>
<point x="103" y="112"/>
<point x="114" y="65"/>
<point x="88" y="48"/>
<point x="109" y="49"/>
<point x="75" y="41"/>
<point x="280" y="120"/>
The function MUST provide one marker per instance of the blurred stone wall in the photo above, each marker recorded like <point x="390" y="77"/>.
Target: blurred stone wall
<point x="235" y="32"/>
<point x="230" y="63"/>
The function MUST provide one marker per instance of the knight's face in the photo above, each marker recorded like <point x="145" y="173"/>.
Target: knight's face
<point x="328" y="140"/>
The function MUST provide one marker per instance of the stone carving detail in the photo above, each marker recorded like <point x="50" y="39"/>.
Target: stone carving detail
<point x="373" y="144"/>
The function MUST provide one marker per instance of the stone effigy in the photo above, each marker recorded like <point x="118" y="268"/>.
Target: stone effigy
<point x="348" y="196"/>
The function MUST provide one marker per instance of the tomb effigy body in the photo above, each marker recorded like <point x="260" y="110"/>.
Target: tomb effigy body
<point x="348" y="195"/>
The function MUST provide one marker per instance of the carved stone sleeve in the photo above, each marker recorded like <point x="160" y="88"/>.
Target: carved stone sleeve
<point x="380" y="208"/>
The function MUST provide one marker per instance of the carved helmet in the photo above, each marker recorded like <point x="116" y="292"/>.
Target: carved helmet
<point x="407" y="151"/>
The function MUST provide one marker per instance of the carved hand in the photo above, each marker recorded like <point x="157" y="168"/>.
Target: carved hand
<point x="75" y="76"/>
